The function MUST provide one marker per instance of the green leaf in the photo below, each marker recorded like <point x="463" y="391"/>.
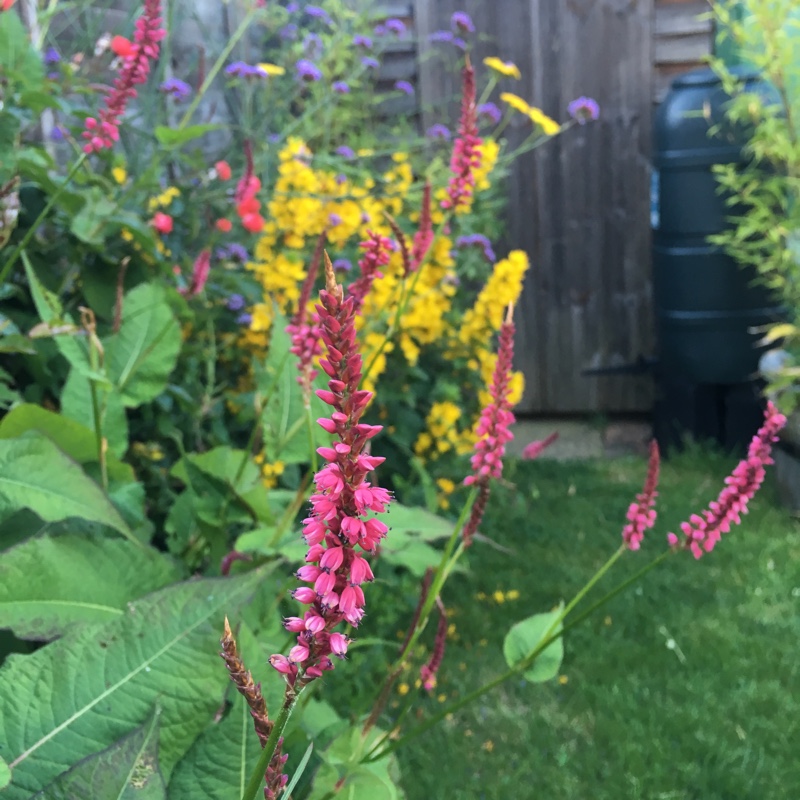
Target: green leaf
<point x="220" y="762"/>
<point x="5" y="774"/>
<point x="223" y="463"/>
<point x="76" y="404"/>
<point x="416" y="557"/>
<point x="81" y="693"/>
<point x="49" y="583"/>
<point x="525" y="637"/>
<point x="142" y="355"/>
<point x="35" y="474"/>
<point x="174" y="137"/>
<point x="415" y="523"/>
<point x="75" y="440"/>
<point x="128" y="770"/>
<point x="17" y="56"/>
<point x="90" y="222"/>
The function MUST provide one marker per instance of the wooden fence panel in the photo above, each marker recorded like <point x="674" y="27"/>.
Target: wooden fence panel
<point x="579" y="206"/>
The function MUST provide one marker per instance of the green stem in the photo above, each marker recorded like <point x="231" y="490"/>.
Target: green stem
<point x="257" y="777"/>
<point x="97" y="417"/>
<point x="548" y="639"/>
<point x="12" y="259"/>
<point x="218" y="64"/>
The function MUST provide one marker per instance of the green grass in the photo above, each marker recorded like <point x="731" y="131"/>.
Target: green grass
<point x="686" y="686"/>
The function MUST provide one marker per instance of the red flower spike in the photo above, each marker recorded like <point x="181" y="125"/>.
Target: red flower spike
<point x="466" y="156"/>
<point x="377" y="254"/>
<point x="122" y="47"/>
<point x="536" y="448"/>
<point x="340" y="519"/>
<point x="223" y="169"/>
<point x="423" y="238"/>
<point x="103" y="131"/>
<point x="428" y="671"/>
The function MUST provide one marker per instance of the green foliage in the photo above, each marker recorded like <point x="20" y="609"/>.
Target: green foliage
<point x="35" y="474"/>
<point x="523" y="640"/>
<point x="127" y="770"/>
<point x="98" y="683"/>
<point x="50" y="583"/>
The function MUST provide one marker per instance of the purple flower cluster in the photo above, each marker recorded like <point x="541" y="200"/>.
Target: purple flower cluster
<point x="319" y="13"/>
<point x="583" y="109"/>
<point x="308" y="70"/>
<point x="405" y="87"/>
<point x="370" y="63"/>
<point x="342" y="265"/>
<point x="232" y="252"/>
<point x="241" y="69"/>
<point x="362" y="41"/>
<point x="391" y="25"/>
<point x="478" y="240"/>
<point x="235" y="302"/>
<point x="340" y="87"/>
<point x="448" y="37"/>
<point x="177" y="88"/>
<point x="461" y="22"/>
<point x="491" y="112"/>
<point x="438" y="131"/>
<point x="346" y="152"/>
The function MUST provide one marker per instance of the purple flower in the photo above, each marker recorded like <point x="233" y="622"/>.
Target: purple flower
<point x="346" y="152"/>
<point x="462" y="23"/>
<point x="232" y="252"/>
<point x="380" y="30"/>
<point x="340" y="179"/>
<point x="292" y="8"/>
<point x="438" y="131"/>
<point x="448" y="37"/>
<point x="334" y="219"/>
<point x="396" y="26"/>
<point x="274" y="138"/>
<point x="478" y="240"/>
<point x="342" y="265"/>
<point x="318" y="13"/>
<point x="491" y="111"/>
<point x="583" y="109"/>
<point x="242" y="70"/>
<point x="57" y="134"/>
<point x="340" y="87"/>
<point x="235" y="302"/>
<point x="308" y="70"/>
<point x="244" y="319"/>
<point x="288" y="31"/>
<point x="177" y="88"/>
<point x="51" y="56"/>
<point x="370" y="63"/>
<point x="404" y="86"/>
<point x="362" y="41"/>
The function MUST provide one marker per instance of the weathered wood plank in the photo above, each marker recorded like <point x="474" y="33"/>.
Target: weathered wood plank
<point x="684" y="18"/>
<point x="682" y="49"/>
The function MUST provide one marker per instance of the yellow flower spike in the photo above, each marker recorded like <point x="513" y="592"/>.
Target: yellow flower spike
<point x="505" y="68"/>
<point x="516" y="102"/>
<point x="273" y="70"/>
<point x="119" y="174"/>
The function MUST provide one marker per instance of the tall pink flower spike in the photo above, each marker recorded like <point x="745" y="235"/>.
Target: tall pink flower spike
<point x="642" y="513"/>
<point x="377" y="252"/>
<point x="103" y="132"/>
<point x="338" y="531"/>
<point x="704" y="530"/>
<point x="466" y="156"/>
<point x="493" y="429"/>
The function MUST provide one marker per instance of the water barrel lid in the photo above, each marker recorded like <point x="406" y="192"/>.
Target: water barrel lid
<point x="707" y="77"/>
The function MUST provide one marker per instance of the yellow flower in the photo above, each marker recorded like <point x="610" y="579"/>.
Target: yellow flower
<point x="119" y="174"/>
<point x="513" y="594"/>
<point x="548" y="125"/>
<point x="270" y="473"/>
<point x="273" y="70"/>
<point x="499" y="597"/>
<point x="164" y="199"/>
<point x="505" y="68"/>
<point x="516" y="102"/>
<point x="402" y="688"/>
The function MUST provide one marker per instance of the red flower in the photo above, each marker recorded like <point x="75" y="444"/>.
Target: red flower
<point x="223" y="225"/>
<point x="6" y="5"/>
<point x="223" y="169"/>
<point x="122" y="47"/>
<point x="162" y="222"/>
<point x="642" y="513"/>
<point x="254" y="223"/>
<point x="248" y="206"/>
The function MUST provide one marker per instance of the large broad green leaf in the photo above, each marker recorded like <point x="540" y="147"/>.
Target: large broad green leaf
<point x="49" y="583"/>
<point x="174" y="137"/>
<point x="5" y="774"/>
<point x="35" y="474"/>
<point x="76" y="404"/>
<point x="128" y="770"/>
<point x="221" y="761"/>
<point x="526" y="636"/>
<point x="234" y="467"/>
<point x="90" y="222"/>
<point x="80" y="694"/>
<point x="411" y="530"/>
<point x="17" y="56"/>
<point x="142" y="355"/>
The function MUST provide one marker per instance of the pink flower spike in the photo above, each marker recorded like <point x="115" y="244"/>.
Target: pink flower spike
<point x="703" y="531"/>
<point x="641" y="514"/>
<point x="339" y="644"/>
<point x="536" y="448"/>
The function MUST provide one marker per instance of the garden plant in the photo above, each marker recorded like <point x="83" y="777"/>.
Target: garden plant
<point x="222" y="367"/>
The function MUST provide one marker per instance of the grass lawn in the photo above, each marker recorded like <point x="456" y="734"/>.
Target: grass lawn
<point x="687" y="686"/>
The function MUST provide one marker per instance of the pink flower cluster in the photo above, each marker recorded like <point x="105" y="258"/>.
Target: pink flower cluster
<point x="642" y="513"/>
<point x="304" y="327"/>
<point x="466" y="156"/>
<point x="427" y="672"/>
<point x="377" y="252"/>
<point x="103" y="132"/>
<point x="493" y="426"/>
<point x="423" y="238"/>
<point x="338" y="530"/>
<point x="703" y="531"/>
